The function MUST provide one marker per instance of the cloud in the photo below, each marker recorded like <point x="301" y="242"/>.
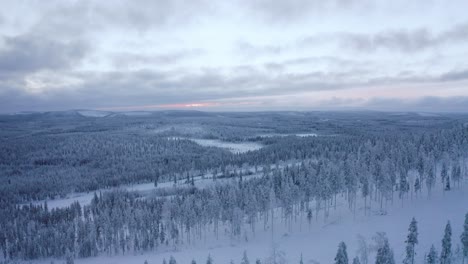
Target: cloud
<point x="295" y="10"/>
<point x="454" y="76"/>
<point x="426" y="103"/>
<point x="395" y="40"/>
<point x="29" y="53"/>
<point x="126" y="59"/>
<point x="249" y="50"/>
<point x="406" y="41"/>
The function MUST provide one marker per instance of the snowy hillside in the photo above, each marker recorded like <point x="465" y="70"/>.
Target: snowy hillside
<point x="318" y="242"/>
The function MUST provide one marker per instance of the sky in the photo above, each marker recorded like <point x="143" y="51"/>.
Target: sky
<point x="238" y="55"/>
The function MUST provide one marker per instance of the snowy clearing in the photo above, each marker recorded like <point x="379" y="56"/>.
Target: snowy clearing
<point x="234" y="147"/>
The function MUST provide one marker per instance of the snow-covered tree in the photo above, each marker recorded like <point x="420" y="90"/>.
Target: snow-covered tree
<point x="411" y="241"/>
<point x="446" y="251"/>
<point x="341" y="255"/>
<point x="209" y="260"/>
<point x="464" y="238"/>
<point x="245" y="259"/>
<point x="385" y="254"/>
<point x="431" y="257"/>
<point x="363" y="250"/>
<point x="172" y="260"/>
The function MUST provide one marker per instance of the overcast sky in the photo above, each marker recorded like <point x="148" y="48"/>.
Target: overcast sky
<point x="234" y="55"/>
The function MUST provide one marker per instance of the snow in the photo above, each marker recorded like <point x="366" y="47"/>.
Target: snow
<point x="136" y="113"/>
<point x="285" y="135"/>
<point x="307" y="135"/>
<point x="85" y="198"/>
<point x="93" y="113"/>
<point x="234" y="147"/>
<point x="318" y="244"/>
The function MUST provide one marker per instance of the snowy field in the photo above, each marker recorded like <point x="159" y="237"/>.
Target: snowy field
<point x="234" y="147"/>
<point x="241" y="147"/>
<point x="285" y="135"/>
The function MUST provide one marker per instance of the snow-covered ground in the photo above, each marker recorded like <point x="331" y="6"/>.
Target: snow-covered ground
<point x="319" y="243"/>
<point x="234" y="147"/>
<point x="285" y="135"/>
<point x="85" y="198"/>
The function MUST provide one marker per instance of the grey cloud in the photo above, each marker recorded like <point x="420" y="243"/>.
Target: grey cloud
<point x="403" y="40"/>
<point x="454" y="76"/>
<point x="149" y="87"/>
<point x="141" y="15"/>
<point x="399" y="40"/>
<point x="29" y="53"/>
<point x="127" y="59"/>
<point x="294" y="10"/>
<point x="429" y="104"/>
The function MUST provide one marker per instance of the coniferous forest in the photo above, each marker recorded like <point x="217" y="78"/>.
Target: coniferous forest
<point x="370" y="158"/>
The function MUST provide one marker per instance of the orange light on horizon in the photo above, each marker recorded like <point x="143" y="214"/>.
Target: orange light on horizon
<point x="177" y="106"/>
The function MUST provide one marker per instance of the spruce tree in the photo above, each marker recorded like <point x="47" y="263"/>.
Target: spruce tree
<point x="209" y="260"/>
<point x="385" y="254"/>
<point x="431" y="258"/>
<point x="245" y="259"/>
<point x="341" y="255"/>
<point x="446" y="253"/>
<point x="411" y="241"/>
<point x="447" y="184"/>
<point x="356" y="260"/>
<point x="464" y="238"/>
<point x="193" y="261"/>
<point x="172" y="260"/>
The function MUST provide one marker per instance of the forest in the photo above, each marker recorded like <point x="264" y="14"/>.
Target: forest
<point x="381" y="160"/>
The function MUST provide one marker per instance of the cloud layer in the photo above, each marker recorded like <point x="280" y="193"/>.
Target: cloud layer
<point x="239" y="55"/>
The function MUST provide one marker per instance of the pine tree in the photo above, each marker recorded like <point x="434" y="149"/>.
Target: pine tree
<point x="417" y="185"/>
<point x="431" y="178"/>
<point x="193" y="261"/>
<point x="172" y="260"/>
<point x="447" y="184"/>
<point x="341" y="255"/>
<point x="444" y="172"/>
<point x="209" y="260"/>
<point x="356" y="260"/>
<point x="258" y="261"/>
<point x="69" y="257"/>
<point x="245" y="259"/>
<point x="385" y="254"/>
<point x="446" y="253"/>
<point x="464" y="238"/>
<point x="411" y="241"/>
<point x="301" y="261"/>
<point x="431" y="258"/>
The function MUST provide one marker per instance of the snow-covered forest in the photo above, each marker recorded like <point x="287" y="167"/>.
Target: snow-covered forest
<point x="362" y="164"/>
